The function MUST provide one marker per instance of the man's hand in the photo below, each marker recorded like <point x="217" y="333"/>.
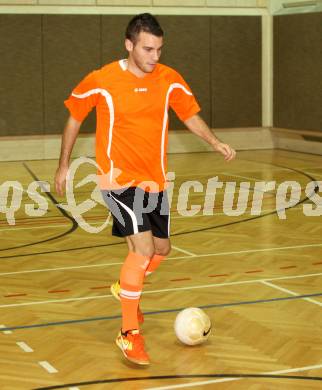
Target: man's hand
<point x="228" y="152"/>
<point x="199" y="127"/>
<point x="60" y="180"/>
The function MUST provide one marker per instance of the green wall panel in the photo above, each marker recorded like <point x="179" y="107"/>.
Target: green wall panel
<point x="113" y="37"/>
<point x="46" y="56"/>
<point x="186" y="49"/>
<point x="71" y="47"/>
<point x="21" y="92"/>
<point x="298" y="71"/>
<point x="236" y="71"/>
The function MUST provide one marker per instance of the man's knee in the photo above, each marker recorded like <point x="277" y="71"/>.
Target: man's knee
<point x="142" y="244"/>
<point x="163" y="250"/>
<point x="144" y="249"/>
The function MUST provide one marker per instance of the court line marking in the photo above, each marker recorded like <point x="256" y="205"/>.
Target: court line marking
<point x="59" y="268"/>
<point x="214" y="285"/>
<point x="295" y="208"/>
<point x="5" y="331"/>
<point x="13" y="228"/>
<point x="176" y="310"/>
<point x="241" y="177"/>
<point x="45" y="226"/>
<point x="169" y="258"/>
<point x="48" y="367"/>
<point x="184" y="251"/>
<point x="313" y="174"/>
<point x="279" y="372"/>
<point x="25" y="347"/>
<point x="291" y="292"/>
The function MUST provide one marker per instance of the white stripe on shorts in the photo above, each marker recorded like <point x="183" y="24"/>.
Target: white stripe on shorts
<point x="132" y="215"/>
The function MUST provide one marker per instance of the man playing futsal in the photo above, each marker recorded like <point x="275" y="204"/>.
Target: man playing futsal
<point x="132" y="98"/>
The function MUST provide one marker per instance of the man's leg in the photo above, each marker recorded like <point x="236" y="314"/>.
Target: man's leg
<point x="116" y="287"/>
<point x="143" y="246"/>
<point x="126" y="223"/>
<point x="160" y="226"/>
<point x="162" y="249"/>
<point x="129" y="340"/>
<point x="141" y="250"/>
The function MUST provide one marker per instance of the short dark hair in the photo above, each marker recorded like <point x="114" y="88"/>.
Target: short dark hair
<point x="143" y="22"/>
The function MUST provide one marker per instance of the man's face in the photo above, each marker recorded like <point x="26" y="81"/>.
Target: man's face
<point x="146" y="51"/>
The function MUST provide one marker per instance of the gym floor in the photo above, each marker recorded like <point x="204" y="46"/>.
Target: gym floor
<point x="258" y="277"/>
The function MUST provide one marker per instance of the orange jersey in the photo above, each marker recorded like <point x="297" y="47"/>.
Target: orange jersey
<point x="132" y="120"/>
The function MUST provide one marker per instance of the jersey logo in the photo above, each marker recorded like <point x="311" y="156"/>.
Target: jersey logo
<point x="140" y="90"/>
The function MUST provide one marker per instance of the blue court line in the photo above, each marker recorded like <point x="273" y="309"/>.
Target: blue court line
<point x="162" y="311"/>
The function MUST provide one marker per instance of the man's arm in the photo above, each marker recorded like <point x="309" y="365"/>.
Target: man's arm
<point x="199" y="127"/>
<point x="68" y="140"/>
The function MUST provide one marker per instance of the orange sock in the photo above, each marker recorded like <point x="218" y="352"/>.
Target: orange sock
<point x="131" y="282"/>
<point x="154" y="264"/>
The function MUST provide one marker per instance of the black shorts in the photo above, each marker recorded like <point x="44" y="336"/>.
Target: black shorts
<point x="135" y="211"/>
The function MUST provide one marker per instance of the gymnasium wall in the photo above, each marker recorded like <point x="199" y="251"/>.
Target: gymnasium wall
<point x="44" y="56"/>
<point x="298" y="71"/>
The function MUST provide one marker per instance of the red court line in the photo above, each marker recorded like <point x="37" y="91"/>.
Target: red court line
<point x="96" y="288"/>
<point x="15" y="295"/>
<point x="171" y="280"/>
<point x="214" y="276"/>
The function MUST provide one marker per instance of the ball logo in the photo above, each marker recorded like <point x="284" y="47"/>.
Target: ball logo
<point x="205" y="333"/>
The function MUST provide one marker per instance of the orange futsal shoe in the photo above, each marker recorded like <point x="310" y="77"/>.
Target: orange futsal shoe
<point x="115" y="290"/>
<point x="131" y="343"/>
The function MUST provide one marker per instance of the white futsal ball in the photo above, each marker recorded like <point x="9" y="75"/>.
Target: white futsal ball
<point x="192" y="326"/>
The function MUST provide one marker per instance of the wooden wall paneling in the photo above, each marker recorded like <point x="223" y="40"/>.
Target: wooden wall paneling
<point x="21" y="95"/>
<point x="72" y="49"/>
<point x="236" y="71"/>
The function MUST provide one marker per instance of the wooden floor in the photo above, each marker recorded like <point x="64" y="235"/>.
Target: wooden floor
<point x="259" y="278"/>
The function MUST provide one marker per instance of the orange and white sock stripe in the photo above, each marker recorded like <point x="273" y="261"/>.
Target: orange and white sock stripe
<point x="130" y="294"/>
